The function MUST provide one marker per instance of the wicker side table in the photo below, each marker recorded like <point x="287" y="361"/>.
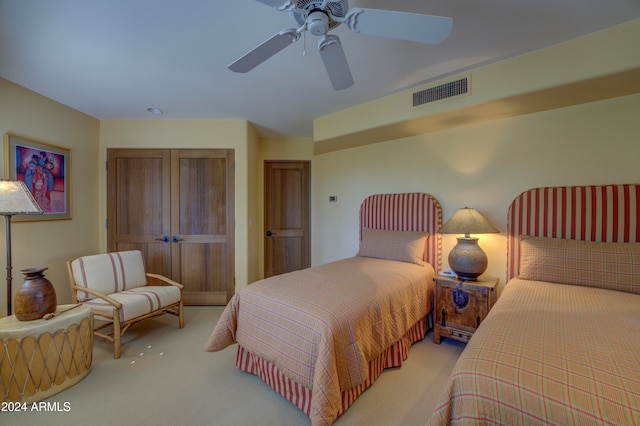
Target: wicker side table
<point x="43" y="357"/>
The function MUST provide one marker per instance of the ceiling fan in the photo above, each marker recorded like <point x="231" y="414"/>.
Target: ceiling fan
<point x="318" y="17"/>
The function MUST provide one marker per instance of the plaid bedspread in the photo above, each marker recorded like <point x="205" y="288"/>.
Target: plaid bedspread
<point x="549" y="354"/>
<point x="321" y="326"/>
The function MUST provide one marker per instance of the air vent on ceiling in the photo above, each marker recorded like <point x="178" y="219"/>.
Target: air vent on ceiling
<point x="442" y="91"/>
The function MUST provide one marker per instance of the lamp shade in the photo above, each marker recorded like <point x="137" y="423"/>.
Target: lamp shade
<point x="467" y="221"/>
<point x="15" y="198"/>
<point x="467" y="259"/>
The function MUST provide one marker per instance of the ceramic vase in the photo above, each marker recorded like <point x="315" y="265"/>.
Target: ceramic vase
<point x="36" y="297"/>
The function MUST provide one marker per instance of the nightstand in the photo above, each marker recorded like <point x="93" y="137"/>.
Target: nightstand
<point x="460" y="306"/>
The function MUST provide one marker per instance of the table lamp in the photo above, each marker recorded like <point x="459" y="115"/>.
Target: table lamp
<point x="15" y="198"/>
<point x="467" y="259"/>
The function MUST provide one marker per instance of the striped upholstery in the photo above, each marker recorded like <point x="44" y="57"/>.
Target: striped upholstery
<point x="138" y="301"/>
<point x="109" y="273"/>
<point x="119" y="294"/>
<point x="121" y="276"/>
<point x="605" y="213"/>
<point x="406" y="212"/>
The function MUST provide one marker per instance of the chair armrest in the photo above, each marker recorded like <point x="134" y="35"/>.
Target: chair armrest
<point x="165" y="279"/>
<point x="99" y="295"/>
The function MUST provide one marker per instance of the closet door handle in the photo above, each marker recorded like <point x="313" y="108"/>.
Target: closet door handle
<point x="269" y="233"/>
<point x="164" y="239"/>
<point x="176" y="239"/>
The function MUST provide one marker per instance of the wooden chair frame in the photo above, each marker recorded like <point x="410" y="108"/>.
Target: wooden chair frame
<point x="119" y="327"/>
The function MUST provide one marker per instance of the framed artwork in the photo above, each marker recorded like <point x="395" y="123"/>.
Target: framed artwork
<point x="44" y="168"/>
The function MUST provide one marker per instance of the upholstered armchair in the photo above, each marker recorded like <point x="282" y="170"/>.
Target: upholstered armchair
<point x="114" y="285"/>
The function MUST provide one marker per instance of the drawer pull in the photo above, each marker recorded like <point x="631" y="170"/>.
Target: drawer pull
<point x="460" y="298"/>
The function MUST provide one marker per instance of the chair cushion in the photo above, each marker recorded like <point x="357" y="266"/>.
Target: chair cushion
<point x="138" y="301"/>
<point x="109" y="273"/>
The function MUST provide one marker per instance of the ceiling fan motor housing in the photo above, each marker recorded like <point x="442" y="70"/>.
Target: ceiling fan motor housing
<point x="306" y="8"/>
<point x="318" y="23"/>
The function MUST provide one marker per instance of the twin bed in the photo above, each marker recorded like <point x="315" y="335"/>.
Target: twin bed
<point x="561" y="346"/>
<point x="322" y="335"/>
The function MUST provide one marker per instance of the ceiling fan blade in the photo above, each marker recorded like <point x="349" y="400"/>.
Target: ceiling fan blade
<point x="335" y="62"/>
<point x="265" y="50"/>
<point x="417" y="27"/>
<point x="282" y="5"/>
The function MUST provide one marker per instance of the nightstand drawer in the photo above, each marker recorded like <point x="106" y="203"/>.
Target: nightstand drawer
<point x="453" y="333"/>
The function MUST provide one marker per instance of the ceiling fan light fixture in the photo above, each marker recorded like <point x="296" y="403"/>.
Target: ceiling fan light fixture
<point x="318" y="23"/>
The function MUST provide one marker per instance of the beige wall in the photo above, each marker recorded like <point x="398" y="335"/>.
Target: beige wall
<point x="232" y="134"/>
<point x="484" y="166"/>
<point x="51" y="243"/>
<point x="594" y="67"/>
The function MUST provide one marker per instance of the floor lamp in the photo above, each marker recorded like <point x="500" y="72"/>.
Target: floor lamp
<point x="15" y="198"/>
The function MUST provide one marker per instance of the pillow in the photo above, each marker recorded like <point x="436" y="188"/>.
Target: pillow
<point x="404" y="246"/>
<point x="613" y="266"/>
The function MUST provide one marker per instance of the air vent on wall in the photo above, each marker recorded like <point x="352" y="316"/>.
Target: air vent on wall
<point x="442" y="91"/>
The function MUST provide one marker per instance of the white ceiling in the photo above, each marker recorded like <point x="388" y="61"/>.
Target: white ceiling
<point x="112" y="59"/>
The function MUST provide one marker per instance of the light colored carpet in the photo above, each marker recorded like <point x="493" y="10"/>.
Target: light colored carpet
<point x="165" y="377"/>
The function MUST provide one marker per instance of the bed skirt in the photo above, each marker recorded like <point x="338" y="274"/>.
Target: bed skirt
<point x="301" y="396"/>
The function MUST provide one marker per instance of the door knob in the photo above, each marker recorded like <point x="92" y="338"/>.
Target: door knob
<point x="164" y="239"/>
<point x="269" y="233"/>
<point x="176" y="239"/>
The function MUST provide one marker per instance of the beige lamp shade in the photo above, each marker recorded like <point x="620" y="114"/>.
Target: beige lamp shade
<point x="467" y="259"/>
<point x="467" y="221"/>
<point x="15" y="198"/>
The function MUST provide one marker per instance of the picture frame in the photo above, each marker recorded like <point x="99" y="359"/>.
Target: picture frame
<point x="45" y="169"/>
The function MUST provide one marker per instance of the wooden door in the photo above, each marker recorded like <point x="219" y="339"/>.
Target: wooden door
<point x="202" y="224"/>
<point x="287" y="216"/>
<point x="139" y="205"/>
<point x="177" y="207"/>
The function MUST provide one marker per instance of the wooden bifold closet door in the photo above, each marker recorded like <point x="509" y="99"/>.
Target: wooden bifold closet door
<point x="177" y="207"/>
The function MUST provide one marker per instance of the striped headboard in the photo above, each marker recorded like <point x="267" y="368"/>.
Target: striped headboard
<point x="607" y="213"/>
<point x="406" y="212"/>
